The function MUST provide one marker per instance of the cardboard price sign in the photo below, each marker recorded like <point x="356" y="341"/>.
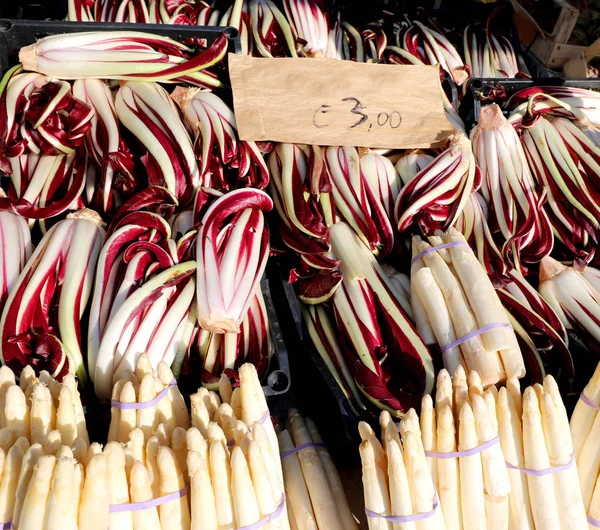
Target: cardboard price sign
<point x="331" y="102"/>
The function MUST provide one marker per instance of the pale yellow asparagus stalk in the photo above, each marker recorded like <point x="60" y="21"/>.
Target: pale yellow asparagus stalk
<point x="65" y="417"/>
<point x="400" y="496"/>
<point x="460" y="391"/>
<point x="53" y="443"/>
<point x="147" y="418"/>
<point x="486" y="305"/>
<point x="428" y="432"/>
<point x="203" y="508"/>
<point x="52" y="384"/>
<point x="115" y="412"/>
<point x="29" y="461"/>
<point x="215" y="433"/>
<point x="240" y="431"/>
<point x="321" y="497"/>
<point x="7" y="379"/>
<point x="588" y="462"/>
<point x="298" y="500"/>
<point x="421" y="483"/>
<point x="335" y="483"/>
<point x="135" y="446"/>
<point x="78" y="487"/>
<point x="10" y="480"/>
<point x="16" y="411"/>
<point x="62" y="511"/>
<point x="571" y="512"/>
<point x="42" y="416"/>
<point x="79" y="449"/>
<point x="491" y="400"/>
<point x="421" y="319"/>
<point x="444" y="393"/>
<point x="495" y="475"/>
<point x="152" y="447"/>
<point x="236" y="402"/>
<point x="70" y="382"/>
<point x="221" y="480"/>
<point x="200" y="415"/>
<point x="196" y="442"/>
<point x="514" y="389"/>
<point x="128" y="417"/>
<point x="584" y="415"/>
<point x="35" y="506"/>
<point x="375" y="486"/>
<point x="94" y="449"/>
<point x="244" y="496"/>
<point x="95" y="499"/>
<point x="227" y="421"/>
<point x="143" y="366"/>
<point x="118" y="485"/>
<point x="254" y="404"/>
<point x="431" y="299"/>
<point x="164" y="410"/>
<point x="273" y="465"/>
<point x="7" y="438"/>
<point x="551" y="387"/>
<point x="162" y="435"/>
<point x="474" y="383"/>
<point x="541" y="489"/>
<point x="266" y="497"/>
<point x="511" y="441"/>
<point x="179" y="446"/>
<point x="225" y="389"/>
<point x="475" y="355"/>
<point x="141" y="491"/>
<point x="447" y="468"/>
<point x="26" y="376"/>
<point x="471" y="472"/>
<point x="180" y="411"/>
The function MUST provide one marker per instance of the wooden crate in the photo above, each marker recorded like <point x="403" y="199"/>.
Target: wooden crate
<point x="550" y="48"/>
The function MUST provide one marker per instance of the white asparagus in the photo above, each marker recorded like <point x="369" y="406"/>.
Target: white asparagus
<point x="400" y="497"/>
<point x="62" y="511"/>
<point x="428" y="432"/>
<point x="26" y="376"/>
<point x="447" y="468"/>
<point x="179" y="446"/>
<point x="225" y="389"/>
<point x="495" y="475"/>
<point x="511" y="440"/>
<point x="432" y="301"/>
<point x="70" y="382"/>
<point x="79" y="449"/>
<point x="266" y="497"/>
<point x="135" y="445"/>
<point x="152" y="447"/>
<point x="164" y="409"/>
<point x="321" y="497"/>
<point x="175" y="514"/>
<point x="35" y="506"/>
<point x="471" y="472"/>
<point x="65" y="417"/>
<point x="147" y="418"/>
<point x="196" y="442"/>
<point x="78" y="482"/>
<point x="571" y="512"/>
<point x="203" y="503"/>
<point x="584" y="415"/>
<point x="53" y="443"/>
<point x="420" y="315"/>
<point x="95" y="499"/>
<point x="118" y="485"/>
<point x="236" y="402"/>
<point x="541" y="489"/>
<point x="32" y="455"/>
<point x="115" y="412"/>
<point x="128" y="417"/>
<point x="94" y="449"/>
<point x="221" y="480"/>
<point x="10" y="480"/>
<point x="141" y="491"/>
<point x="335" y="483"/>
<point x="42" y="416"/>
<point x="298" y="500"/>
<point x="16" y="411"/>
<point x="244" y="497"/>
<point x="143" y="366"/>
<point x="200" y="415"/>
<point x="375" y="486"/>
<point x="180" y="411"/>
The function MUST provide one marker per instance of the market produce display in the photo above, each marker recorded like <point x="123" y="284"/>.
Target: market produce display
<point x="136" y="228"/>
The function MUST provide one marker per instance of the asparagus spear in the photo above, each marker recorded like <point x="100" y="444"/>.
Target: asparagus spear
<point x="117" y="485"/>
<point x="42" y="415"/>
<point x="32" y="455"/>
<point x="428" y="432"/>
<point x="375" y="485"/>
<point x="35" y="506"/>
<point x="147" y="418"/>
<point x="115" y="412"/>
<point x="203" y="502"/>
<point x="447" y="468"/>
<point x="10" y="480"/>
<point x="128" y="417"/>
<point x="16" y="411"/>
<point x="62" y="511"/>
<point x="221" y="481"/>
<point x="65" y="417"/>
<point x="95" y="499"/>
<point x="400" y="497"/>
<point x="141" y="491"/>
<point x="175" y="514"/>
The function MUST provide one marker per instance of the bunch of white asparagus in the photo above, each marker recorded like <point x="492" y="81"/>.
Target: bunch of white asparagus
<point x="456" y="305"/>
<point x="160" y="406"/>
<point x="42" y="410"/>
<point x="396" y="477"/>
<point x="585" y="431"/>
<point x="519" y="472"/>
<point x="315" y="495"/>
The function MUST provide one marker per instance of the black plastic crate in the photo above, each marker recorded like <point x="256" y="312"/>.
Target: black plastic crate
<point x="14" y="34"/>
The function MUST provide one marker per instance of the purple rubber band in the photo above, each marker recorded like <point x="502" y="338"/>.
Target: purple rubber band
<point x="136" y="506"/>
<point x="593" y="522"/>
<point x="436" y="248"/>
<point x="588" y="401"/>
<point x="266" y="519"/>
<point x="143" y="404"/>
<point x="6" y="526"/>
<point x="468" y="452"/>
<point x="543" y="472"/>
<point x="405" y="518"/>
<point x="475" y="333"/>
<point x="301" y="448"/>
